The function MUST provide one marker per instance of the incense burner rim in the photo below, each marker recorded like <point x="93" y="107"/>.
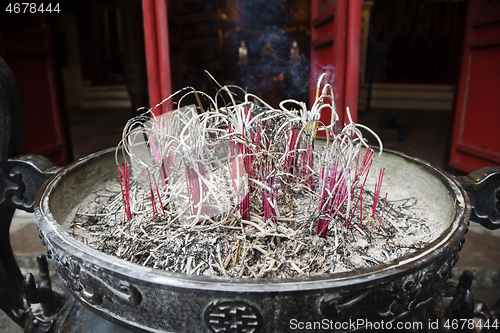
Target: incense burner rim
<point x="53" y="233"/>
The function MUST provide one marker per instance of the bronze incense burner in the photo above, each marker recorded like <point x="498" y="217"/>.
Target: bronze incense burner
<point x="155" y="300"/>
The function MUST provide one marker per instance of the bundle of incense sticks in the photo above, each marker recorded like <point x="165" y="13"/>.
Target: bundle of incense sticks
<point x="245" y="156"/>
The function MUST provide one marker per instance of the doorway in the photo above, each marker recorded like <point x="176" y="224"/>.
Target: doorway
<point x="411" y="56"/>
<point x="104" y="72"/>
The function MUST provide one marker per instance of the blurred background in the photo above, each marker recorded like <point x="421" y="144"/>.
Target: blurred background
<point x="424" y="74"/>
<point x="86" y="68"/>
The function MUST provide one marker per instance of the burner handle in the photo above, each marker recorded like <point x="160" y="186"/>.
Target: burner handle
<point x="21" y="176"/>
<point x="483" y="188"/>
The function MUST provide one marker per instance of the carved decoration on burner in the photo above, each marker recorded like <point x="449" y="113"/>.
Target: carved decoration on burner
<point x="233" y="316"/>
<point x="395" y="300"/>
<point x="91" y="285"/>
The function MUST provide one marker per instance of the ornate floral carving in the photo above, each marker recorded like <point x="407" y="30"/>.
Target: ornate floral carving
<point x="396" y="299"/>
<point x="92" y="285"/>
